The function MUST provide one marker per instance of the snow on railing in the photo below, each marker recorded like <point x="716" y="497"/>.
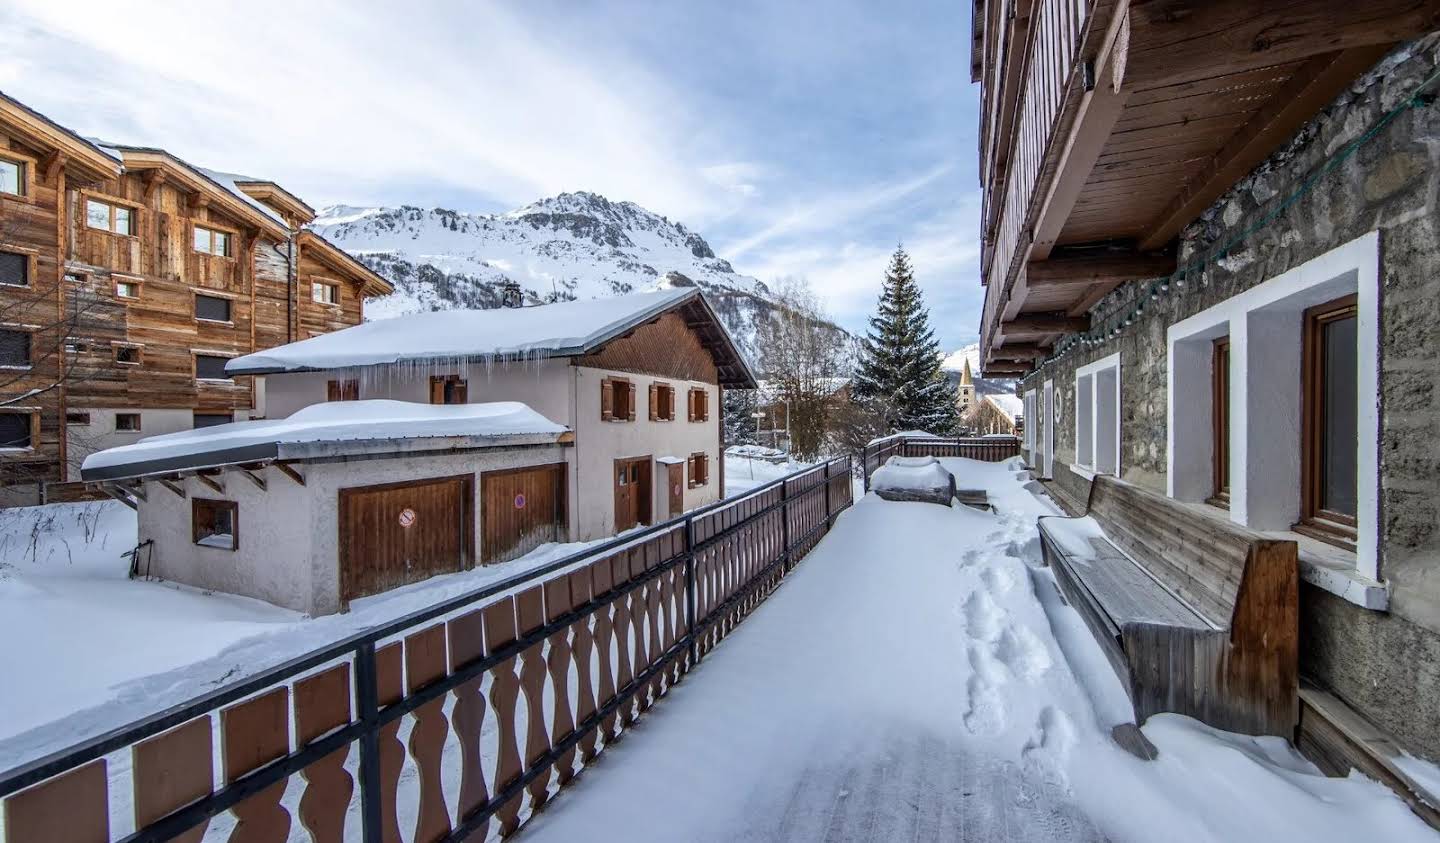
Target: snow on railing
<point x="546" y="668"/>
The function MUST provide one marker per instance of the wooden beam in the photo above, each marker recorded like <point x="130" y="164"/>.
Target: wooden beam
<point x="153" y="179"/>
<point x="171" y="486"/>
<point x="1045" y="323"/>
<point x="1082" y="271"/>
<point x="52" y="164"/>
<point x="136" y="490"/>
<point x="120" y="496"/>
<point x="1313" y="85"/>
<point x="991" y="370"/>
<point x="290" y="472"/>
<point x="1021" y="351"/>
<point x="253" y="477"/>
<point x="214" y="484"/>
<point x="1174" y="41"/>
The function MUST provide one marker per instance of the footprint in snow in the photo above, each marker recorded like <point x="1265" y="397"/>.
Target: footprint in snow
<point x="1022" y="652"/>
<point x="985" y="712"/>
<point x="1048" y="751"/>
<point x="984" y="618"/>
<point x="998" y="578"/>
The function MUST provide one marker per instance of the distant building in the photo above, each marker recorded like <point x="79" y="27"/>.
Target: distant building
<point x="965" y="392"/>
<point x="996" y="414"/>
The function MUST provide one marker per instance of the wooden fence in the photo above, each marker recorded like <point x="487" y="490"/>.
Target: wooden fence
<point x="985" y="449"/>
<point x="545" y="670"/>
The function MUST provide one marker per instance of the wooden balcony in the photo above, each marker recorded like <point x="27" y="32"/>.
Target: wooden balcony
<point x="1109" y="125"/>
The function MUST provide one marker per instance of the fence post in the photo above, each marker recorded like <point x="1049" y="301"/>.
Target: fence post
<point x="827" y="496"/>
<point x="690" y="603"/>
<point x="785" y="525"/>
<point x="367" y="694"/>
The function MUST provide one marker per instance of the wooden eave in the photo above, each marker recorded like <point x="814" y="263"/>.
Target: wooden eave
<point x="81" y="158"/>
<point x="1179" y="101"/>
<point x="192" y="181"/>
<point x="343" y="263"/>
<point x="283" y="201"/>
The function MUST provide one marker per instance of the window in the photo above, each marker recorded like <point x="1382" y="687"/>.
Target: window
<point x="325" y="293"/>
<point x="699" y="404"/>
<point x="12" y="177"/>
<point x="128" y="355"/>
<point x="212" y="308"/>
<point x="210" y="419"/>
<point x="127" y="289"/>
<point x="211" y="367"/>
<point x="14" y="348"/>
<point x="117" y="219"/>
<point x="214" y="523"/>
<point x="1330" y="426"/>
<point x="699" y="469"/>
<point x="1097" y="417"/>
<point x="77" y="418"/>
<point x="212" y="242"/>
<point x="17" y="429"/>
<point x="1220" y="420"/>
<point x="617" y="400"/>
<point x="127" y="422"/>
<point x="444" y="389"/>
<point x="15" y="269"/>
<point x="343" y="390"/>
<point x="662" y="402"/>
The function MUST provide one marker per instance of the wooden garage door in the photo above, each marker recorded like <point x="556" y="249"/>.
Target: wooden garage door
<point x="400" y="533"/>
<point x="520" y="510"/>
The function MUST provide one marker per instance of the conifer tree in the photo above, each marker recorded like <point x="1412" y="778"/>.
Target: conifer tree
<point x="899" y="370"/>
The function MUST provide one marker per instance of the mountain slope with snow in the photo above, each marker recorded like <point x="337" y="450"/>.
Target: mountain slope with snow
<point x="571" y="246"/>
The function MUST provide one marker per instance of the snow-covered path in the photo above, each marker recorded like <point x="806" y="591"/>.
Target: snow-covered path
<point x="917" y="678"/>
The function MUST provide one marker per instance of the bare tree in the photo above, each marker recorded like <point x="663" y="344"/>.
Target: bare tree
<point x="806" y="362"/>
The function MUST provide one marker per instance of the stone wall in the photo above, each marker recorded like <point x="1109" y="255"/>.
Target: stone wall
<point x="1387" y="665"/>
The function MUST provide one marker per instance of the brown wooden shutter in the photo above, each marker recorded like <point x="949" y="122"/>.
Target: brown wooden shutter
<point x="690" y="405"/>
<point x="631" y="387"/>
<point x="461" y="392"/>
<point x="704" y="398"/>
<point x="654" y="402"/>
<point x="607" y="400"/>
<point x="437" y="389"/>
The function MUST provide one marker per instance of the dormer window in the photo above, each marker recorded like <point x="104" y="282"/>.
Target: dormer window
<point x="107" y="216"/>
<point x="324" y="293"/>
<point x="12" y="177"/>
<point x="211" y="242"/>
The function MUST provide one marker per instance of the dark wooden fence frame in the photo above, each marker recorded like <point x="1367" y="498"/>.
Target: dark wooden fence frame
<point x="992" y="449"/>
<point x="730" y="556"/>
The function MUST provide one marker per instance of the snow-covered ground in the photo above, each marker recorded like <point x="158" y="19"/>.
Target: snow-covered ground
<point x="918" y="677"/>
<point x="744" y="472"/>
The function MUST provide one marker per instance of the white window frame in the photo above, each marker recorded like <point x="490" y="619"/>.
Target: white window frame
<point x="1047" y="470"/>
<point x="1092" y="434"/>
<point x="1266" y="328"/>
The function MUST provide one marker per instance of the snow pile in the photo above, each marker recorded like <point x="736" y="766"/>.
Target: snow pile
<point x="338" y="421"/>
<point x="745" y="469"/>
<point x="759" y="452"/>
<point x="913" y="479"/>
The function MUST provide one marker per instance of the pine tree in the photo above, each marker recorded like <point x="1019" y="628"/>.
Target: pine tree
<point x="899" y="371"/>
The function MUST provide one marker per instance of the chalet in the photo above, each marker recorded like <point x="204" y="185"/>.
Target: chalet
<point x="1210" y="255"/>
<point x="995" y="414"/>
<point x="128" y="278"/>
<point x="398" y="449"/>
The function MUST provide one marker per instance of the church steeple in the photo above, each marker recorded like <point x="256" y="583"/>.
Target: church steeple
<point x="965" y="378"/>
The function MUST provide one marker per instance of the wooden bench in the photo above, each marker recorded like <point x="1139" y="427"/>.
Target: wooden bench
<point x="1198" y="615"/>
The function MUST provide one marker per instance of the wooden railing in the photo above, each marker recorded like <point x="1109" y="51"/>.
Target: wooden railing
<point x="984" y="449"/>
<point x="545" y="670"/>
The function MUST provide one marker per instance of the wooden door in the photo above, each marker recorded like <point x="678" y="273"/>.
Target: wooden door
<point x="399" y="533"/>
<point x="675" y="482"/>
<point x="521" y="509"/>
<point x="632" y="493"/>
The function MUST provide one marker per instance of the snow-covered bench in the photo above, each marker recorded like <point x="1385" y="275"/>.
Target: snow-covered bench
<point x="914" y="479"/>
<point x="1198" y="615"/>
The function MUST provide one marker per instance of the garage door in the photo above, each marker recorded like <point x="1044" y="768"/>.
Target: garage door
<point x="402" y="533"/>
<point x="520" y="510"/>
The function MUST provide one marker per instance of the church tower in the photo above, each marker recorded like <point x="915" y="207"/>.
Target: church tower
<point x="965" y="395"/>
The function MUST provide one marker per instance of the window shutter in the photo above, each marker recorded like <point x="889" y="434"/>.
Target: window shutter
<point x="437" y="389"/>
<point x="654" y="402"/>
<point x="704" y="398"/>
<point x="607" y="400"/>
<point x="690" y="405"/>
<point x="461" y="392"/>
<point x="631" y="408"/>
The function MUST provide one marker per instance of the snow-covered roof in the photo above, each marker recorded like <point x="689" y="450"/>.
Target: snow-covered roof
<point x="565" y="329"/>
<point x="1010" y="405"/>
<point x="330" y="429"/>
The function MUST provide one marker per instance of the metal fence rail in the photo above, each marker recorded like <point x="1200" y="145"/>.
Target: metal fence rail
<point x="624" y="623"/>
<point x="996" y="449"/>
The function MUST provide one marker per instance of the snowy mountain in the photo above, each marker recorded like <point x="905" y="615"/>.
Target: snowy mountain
<point x="571" y="246"/>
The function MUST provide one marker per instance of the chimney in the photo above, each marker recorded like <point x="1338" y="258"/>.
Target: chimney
<point x="510" y="295"/>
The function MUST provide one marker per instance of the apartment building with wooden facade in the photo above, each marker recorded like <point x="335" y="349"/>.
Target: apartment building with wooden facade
<point x="128" y="278"/>
<point x="1210" y="253"/>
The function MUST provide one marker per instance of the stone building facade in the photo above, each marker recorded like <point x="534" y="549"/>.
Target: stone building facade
<point x="1371" y="641"/>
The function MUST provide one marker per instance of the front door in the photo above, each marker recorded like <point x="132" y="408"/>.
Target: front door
<point x="675" y="482"/>
<point x="399" y="533"/>
<point x="632" y="493"/>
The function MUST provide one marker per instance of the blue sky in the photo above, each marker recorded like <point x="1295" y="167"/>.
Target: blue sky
<point x="800" y="138"/>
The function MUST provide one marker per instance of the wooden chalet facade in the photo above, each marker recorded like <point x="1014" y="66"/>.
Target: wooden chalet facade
<point x="1210" y="255"/>
<point x="133" y="276"/>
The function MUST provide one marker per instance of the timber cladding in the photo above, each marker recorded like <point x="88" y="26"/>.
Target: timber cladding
<point x="521" y="509"/>
<point x="395" y="534"/>
<point x="666" y="347"/>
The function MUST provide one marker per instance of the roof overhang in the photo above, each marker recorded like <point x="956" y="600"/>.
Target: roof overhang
<point x="283" y="201"/>
<point x="371" y="283"/>
<point x="81" y="157"/>
<point x="193" y="181"/>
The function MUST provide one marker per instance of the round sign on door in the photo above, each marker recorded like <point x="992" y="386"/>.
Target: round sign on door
<point x="407" y="517"/>
<point x="520" y="501"/>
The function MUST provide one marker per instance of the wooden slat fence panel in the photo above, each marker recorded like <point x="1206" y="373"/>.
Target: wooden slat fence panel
<point x="545" y="672"/>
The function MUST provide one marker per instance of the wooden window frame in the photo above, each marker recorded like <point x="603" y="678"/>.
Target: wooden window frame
<point x="136" y="429"/>
<point x="196" y="308"/>
<point x="129" y="280"/>
<point x="32" y="265"/>
<point x="316" y="283"/>
<point x="342" y="389"/>
<point x="1331" y="527"/>
<point x="117" y="347"/>
<point x="662" y="402"/>
<point x="449" y="387"/>
<point x="28" y="167"/>
<point x="610" y="388"/>
<point x="1220" y="422"/>
<point x="231" y="237"/>
<point x="194" y="413"/>
<point x="195" y="366"/>
<point x="111" y="202"/>
<point x="698" y="464"/>
<point x="697" y="404"/>
<point x="29" y="352"/>
<point x="34" y="415"/>
<point x="234" y="507"/>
